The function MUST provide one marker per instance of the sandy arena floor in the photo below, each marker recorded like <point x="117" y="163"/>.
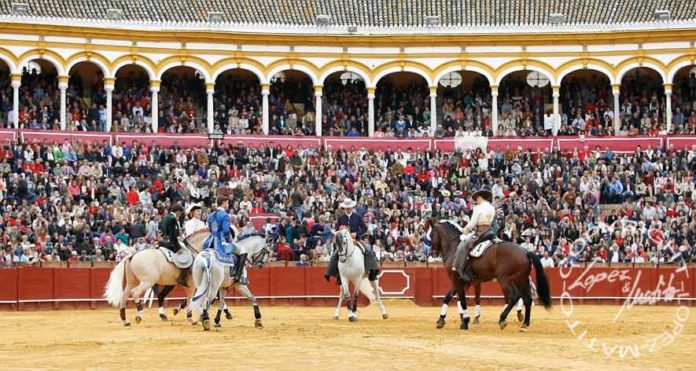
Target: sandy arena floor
<point x="308" y="338"/>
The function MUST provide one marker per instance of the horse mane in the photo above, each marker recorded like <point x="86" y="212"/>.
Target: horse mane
<point x="452" y="225"/>
<point x="244" y="237"/>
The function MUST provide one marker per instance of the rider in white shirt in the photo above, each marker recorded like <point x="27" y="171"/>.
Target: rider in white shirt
<point x="480" y="222"/>
<point x="194" y="223"/>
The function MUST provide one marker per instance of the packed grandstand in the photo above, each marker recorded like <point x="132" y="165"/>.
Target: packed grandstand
<point x="602" y="75"/>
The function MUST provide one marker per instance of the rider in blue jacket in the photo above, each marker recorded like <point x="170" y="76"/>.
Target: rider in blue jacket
<point x="221" y="237"/>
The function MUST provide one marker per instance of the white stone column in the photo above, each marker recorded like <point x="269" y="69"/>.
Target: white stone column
<point x="109" y="106"/>
<point x="616" y="90"/>
<point x="433" y="110"/>
<point x="318" y="91"/>
<point x="370" y="112"/>
<point x="154" y="105"/>
<point x="668" y="106"/>
<point x="210" y="90"/>
<point x="556" y="110"/>
<point x="63" y="86"/>
<point x="494" y="109"/>
<point x="16" y="83"/>
<point x="265" y="91"/>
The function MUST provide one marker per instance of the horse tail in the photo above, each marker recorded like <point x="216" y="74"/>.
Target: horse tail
<point x="542" y="282"/>
<point x="205" y="282"/>
<point x="113" y="292"/>
<point x="366" y="289"/>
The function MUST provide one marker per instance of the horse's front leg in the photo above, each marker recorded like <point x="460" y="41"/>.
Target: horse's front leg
<point x="244" y="289"/>
<point x="461" y="287"/>
<point x="341" y="293"/>
<point x="354" y="308"/>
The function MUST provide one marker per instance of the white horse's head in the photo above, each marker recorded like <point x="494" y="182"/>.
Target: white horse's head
<point x="343" y="242"/>
<point x="257" y="249"/>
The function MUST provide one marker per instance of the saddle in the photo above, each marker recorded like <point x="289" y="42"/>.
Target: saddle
<point x="182" y="258"/>
<point x="226" y="259"/>
<point x="483" y="243"/>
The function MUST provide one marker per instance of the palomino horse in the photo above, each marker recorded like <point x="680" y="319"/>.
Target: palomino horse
<point x="137" y="273"/>
<point x="506" y="262"/>
<point x="351" y="267"/>
<point x="210" y="275"/>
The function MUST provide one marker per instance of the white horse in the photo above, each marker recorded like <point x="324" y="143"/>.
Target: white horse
<point x="210" y="275"/>
<point x="351" y="267"/>
<point x="137" y="273"/>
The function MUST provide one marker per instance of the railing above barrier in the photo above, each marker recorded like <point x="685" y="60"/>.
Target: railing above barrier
<point x="617" y="144"/>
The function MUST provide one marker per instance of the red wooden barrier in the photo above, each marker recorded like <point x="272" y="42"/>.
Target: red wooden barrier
<point x="31" y="287"/>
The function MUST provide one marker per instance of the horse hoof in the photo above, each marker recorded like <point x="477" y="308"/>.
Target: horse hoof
<point x="193" y="322"/>
<point x="520" y="317"/>
<point x="476" y="320"/>
<point x="126" y="323"/>
<point x="385" y="316"/>
<point x="336" y="318"/>
<point x="217" y="324"/>
<point x="258" y="324"/>
<point x="163" y="317"/>
<point x="228" y="316"/>
<point x="503" y="325"/>
<point x="353" y="319"/>
<point x="176" y="311"/>
<point x="464" y="326"/>
<point x="523" y="328"/>
<point x="206" y="325"/>
<point x="138" y="319"/>
<point x="440" y="324"/>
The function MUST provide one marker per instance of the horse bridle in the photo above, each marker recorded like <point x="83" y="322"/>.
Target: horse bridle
<point x="343" y="254"/>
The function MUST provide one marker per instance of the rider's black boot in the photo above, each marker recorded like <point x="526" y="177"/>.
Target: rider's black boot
<point x="239" y="268"/>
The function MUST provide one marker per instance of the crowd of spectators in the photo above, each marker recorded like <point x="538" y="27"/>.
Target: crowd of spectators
<point x="345" y="108"/>
<point x="62" y="201"/>
<point x="586" y="106"/>
<point x="238" y="107"/>
<point x="402" y="111"/>
<point x="291" y="107"/>
<point x="684" y="105"/>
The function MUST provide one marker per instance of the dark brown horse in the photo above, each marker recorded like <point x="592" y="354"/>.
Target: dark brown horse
<point x="506" y="262"/>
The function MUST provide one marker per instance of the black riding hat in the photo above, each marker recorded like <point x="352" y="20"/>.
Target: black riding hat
<point x="483" y="192"/>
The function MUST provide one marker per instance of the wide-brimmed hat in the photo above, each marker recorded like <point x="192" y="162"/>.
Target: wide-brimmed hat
<point x="445" y="193"/>
<point x="192" y="207"/>
<point x="483" y="192"/>
<point x="347" y="203"/>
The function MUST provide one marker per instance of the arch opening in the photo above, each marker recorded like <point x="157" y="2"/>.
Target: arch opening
<point x="402" y="105"/>
<point x="345" y="105"/>
<point x="291" y="104"/>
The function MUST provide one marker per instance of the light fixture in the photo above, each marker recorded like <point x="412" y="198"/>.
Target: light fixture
<point x="451" y="80"/>
<point x="537" y="80"/>
<point x="214" y="17"/>
<point x="323" y="20"/>
<point x="20" y="9"/>
<point x="114" y="14"/>
<point x="432" y="20"/>
<point x="278" y="77"/>
<point x="662" y="15"/>
<point x="556" y="18"/>
<point x="349" y="76"/>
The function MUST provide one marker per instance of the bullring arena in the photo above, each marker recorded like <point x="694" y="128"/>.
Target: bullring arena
<point x="313" y="125"/>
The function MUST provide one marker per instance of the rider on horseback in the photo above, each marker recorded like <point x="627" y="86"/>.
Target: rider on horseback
<point x="357" y="227"/>
<point x="221" y="238"/>
<point x="480" y="222"/>
<point x="194" y="223"/>
<point x="170" y="229"/>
